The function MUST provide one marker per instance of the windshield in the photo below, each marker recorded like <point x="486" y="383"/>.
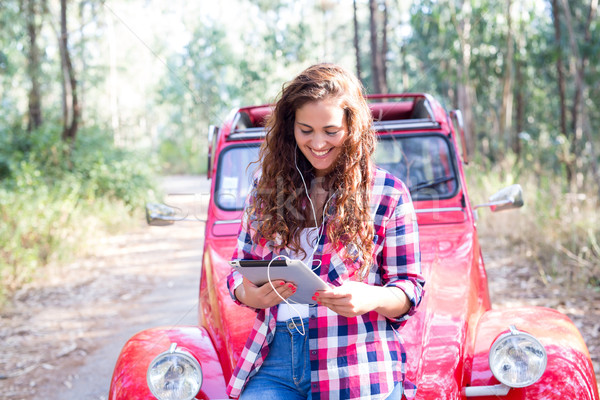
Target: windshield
<point x="423" y="163"/>
<point x="234" y="177"/>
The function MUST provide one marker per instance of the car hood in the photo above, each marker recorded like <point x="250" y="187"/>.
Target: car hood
<point x="438" y="337"/>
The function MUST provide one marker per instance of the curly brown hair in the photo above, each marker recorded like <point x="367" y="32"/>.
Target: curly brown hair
<point x="280" y="202"/>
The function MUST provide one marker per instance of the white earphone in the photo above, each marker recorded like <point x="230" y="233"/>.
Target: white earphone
<point x="316" y="246"/>
<point x="319" y="228"/>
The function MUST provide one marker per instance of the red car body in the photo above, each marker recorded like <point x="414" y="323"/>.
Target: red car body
<point x="447" y="340"/>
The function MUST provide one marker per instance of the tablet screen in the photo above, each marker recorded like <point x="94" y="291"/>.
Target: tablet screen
<point x="262" y="263"/>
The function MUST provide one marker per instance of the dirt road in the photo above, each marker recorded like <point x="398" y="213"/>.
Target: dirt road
<point x="61" y="335"/>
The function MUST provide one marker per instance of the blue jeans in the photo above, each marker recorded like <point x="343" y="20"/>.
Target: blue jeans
<point x="285" y="373"/>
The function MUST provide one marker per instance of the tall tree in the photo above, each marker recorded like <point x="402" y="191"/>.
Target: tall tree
<point x="581" y="70"/>
<point x="507" y="90"/>
<point x="33" y="12"/>
<point x="83" y="56"/>
<point x="520" y="87"/>
<point x="375" y="69"/>
<point x="71" y="108"/>
<point x="378" y="50"/>
<point x="560" y="70"/>
<point x="356" y="41"/>
<point x="562" y="86"/>
<point x="384" y="47"/>
<point x="465" y="91"/>
<point x="579" y="59"/>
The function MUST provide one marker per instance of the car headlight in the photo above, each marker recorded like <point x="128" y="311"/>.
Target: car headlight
<point x="174" y="375"/>
<point x="517" y="359"/>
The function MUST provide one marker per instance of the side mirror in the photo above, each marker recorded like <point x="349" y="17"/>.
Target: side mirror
<point x="160" y="214"/>
<point x="508" y="198"/>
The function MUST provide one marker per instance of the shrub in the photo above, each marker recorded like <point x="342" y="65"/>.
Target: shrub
<point x="53" y="198"/>
<point x="556" y="229"/>
<point x="182" y="156"/>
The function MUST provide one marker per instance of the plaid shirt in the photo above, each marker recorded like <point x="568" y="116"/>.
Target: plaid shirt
<point x="351" y="358"/>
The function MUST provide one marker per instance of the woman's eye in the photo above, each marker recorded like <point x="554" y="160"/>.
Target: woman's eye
<point x="331" y="133"/>
<point x="305" y="132"/>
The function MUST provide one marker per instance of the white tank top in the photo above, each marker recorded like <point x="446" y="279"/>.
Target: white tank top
<point x="308" y="243"/>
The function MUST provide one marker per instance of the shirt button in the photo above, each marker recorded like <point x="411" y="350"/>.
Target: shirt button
<point x="313" y="352"/>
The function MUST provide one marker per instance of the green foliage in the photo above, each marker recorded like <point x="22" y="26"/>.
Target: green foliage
<point x="210" y="77"/>
<point x="107" y="171"/>
<point x="10" y="36"/>
<point x="182" y="156"/>
<point x="161" y="88"/>
<point x="53" y="198"/>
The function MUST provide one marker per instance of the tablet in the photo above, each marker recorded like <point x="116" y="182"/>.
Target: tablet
<point x="294" y="271"/>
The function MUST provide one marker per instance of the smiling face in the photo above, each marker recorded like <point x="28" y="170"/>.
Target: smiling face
<point x="320" y="130"/>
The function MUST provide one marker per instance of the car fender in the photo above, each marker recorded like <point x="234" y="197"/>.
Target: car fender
<point x="129" y="376"/>
<point x="569" y="373"/>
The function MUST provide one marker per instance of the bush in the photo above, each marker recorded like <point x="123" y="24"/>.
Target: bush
<point x="556" y="229"/>
<point x="52" y="198"/>
<point x="182" y="156"/>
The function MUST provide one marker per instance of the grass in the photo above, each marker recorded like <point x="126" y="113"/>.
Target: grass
<point x="557" y="230"/>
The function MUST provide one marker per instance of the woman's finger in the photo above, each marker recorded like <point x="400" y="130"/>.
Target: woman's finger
<point x="283" y="290"/>
<point x="287" y="290"/>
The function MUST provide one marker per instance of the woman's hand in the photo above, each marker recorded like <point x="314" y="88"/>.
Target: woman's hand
<point x="264" y="296"/>
<point x="357" y="298"/>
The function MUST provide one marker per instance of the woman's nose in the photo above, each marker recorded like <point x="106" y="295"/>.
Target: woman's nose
<point x="319" y="141"/>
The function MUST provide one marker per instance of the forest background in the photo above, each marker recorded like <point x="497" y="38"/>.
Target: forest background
<point x="99" y="98"/>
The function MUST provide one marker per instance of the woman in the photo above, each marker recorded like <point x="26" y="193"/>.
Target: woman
<point x="320" y="199"/>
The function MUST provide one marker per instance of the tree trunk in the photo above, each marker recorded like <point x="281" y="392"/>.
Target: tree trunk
<point x="356" y="42"/>
<point x="464" y="91"/>
<point x="580" y="61"/>
<point x="384" y="50"/>
<point x="83" y="58"/>
<point x="404" y="68"/>
<point x="560" y="70"/>
<point x="562" y="90"/>
<point x="595" y="168"/>
<point x="507" y="91"/>
<point x="70" y="103"/>
<point x="519" y="109"/>
<point x="375" y="68"/>
<point x="33" y="67"/>
<point x="576" y="131"/>
<point x="587" y="130"/>
<point x="378" y="50"/>
<point x="520" y="85"/>
<point x="114" y="84"/>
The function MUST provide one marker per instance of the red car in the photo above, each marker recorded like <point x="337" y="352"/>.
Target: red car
<point x="458" y="346"/>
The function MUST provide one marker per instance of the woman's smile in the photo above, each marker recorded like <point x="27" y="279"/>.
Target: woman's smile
<point x="320" y="153"/>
